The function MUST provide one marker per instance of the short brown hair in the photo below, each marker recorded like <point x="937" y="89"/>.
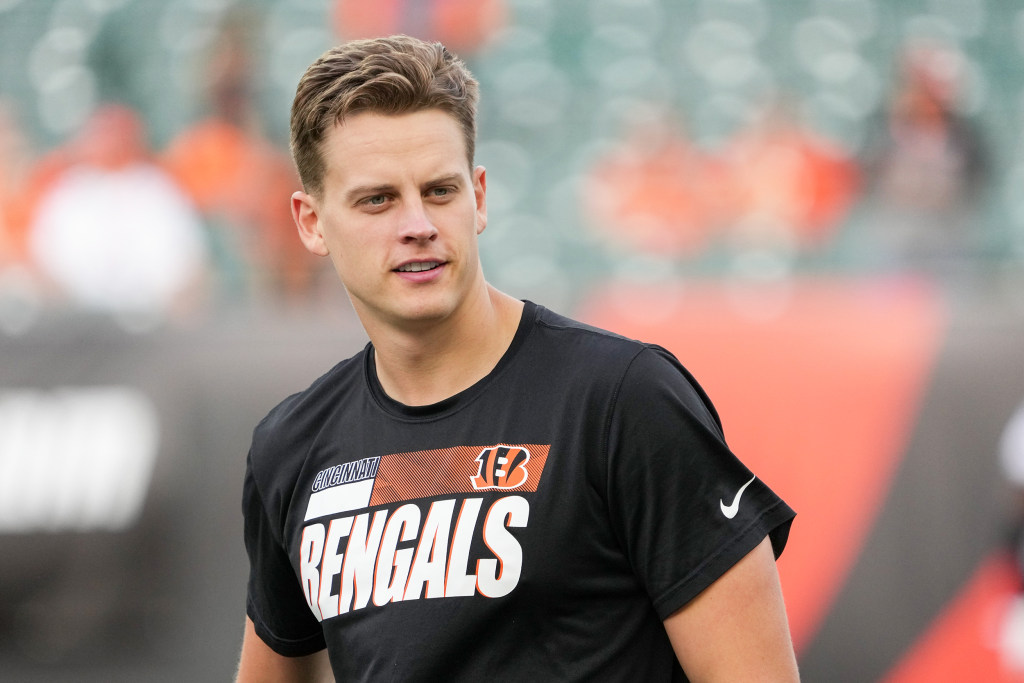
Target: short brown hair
<point x="395" y="75"/>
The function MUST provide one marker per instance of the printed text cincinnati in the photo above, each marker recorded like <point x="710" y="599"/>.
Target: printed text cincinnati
<point x="347" y="473"/>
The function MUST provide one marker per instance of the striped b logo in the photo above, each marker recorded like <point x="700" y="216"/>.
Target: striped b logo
<point x="501" y="467"/>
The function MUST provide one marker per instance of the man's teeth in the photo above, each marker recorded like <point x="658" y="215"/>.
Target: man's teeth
<point x="417" y="267"/>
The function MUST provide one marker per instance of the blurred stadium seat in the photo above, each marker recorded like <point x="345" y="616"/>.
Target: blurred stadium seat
<point x="557" y="77"/>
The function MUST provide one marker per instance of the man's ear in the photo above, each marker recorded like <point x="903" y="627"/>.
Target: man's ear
<point x="306" y="214"/>
<point x="480" y="194"/>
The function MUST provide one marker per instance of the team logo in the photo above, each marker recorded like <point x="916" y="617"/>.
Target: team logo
<point x="501" y="467"/>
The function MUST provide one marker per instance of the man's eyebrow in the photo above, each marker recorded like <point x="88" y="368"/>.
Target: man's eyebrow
<point x="455" y="178"/>
<point x="367" y="191"/>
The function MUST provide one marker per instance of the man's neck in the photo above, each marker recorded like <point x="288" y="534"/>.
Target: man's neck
<point x="433" y="363"/>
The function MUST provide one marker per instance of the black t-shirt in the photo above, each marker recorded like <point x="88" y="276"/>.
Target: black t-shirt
<point x="537" y="526"/>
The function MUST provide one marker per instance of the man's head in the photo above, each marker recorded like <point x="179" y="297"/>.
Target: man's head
<point x="396" y="75"/>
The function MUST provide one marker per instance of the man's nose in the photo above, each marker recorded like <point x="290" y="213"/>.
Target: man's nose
<point x="416" y="225"/>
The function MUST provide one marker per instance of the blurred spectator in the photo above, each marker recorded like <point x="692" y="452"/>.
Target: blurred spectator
<point x="112" y="231"/>
<point x="18" y="287"/>
<point x="15" y="165"/>
<point x="464" y="26"/>
<point x="928" y="164"/>
<point x="791" y="187"/>
<point x="1011" y="460"/>
<point x="655" y="190"/>
<point x="240" y="180"/>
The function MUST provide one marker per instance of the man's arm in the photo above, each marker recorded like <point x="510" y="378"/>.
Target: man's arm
<point x="260" y="664"/>
<point x="737" y="629"/>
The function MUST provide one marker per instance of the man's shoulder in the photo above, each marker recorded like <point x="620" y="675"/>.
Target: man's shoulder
<point x="296" y="418"/>
<point x="571" y="333"/>
<point x="638" y="368"/>
<point x="596" y="350"/>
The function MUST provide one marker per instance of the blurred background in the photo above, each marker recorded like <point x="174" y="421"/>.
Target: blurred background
<point x="818" y="205"/>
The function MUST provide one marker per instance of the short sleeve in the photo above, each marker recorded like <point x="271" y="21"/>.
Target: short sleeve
<point x="274" y="600"/>
<point x="684" y="507"/>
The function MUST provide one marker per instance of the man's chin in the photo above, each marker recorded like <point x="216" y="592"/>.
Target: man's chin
<point x="418" y="314"/>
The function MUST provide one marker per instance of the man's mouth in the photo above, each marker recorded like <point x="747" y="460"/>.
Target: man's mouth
<point x="418" y="266"/>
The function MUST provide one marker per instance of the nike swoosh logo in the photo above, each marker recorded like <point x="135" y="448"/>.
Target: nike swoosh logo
<point x="731" y="509"/>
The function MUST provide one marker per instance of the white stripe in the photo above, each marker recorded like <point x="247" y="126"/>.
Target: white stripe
<point x="341" y="498"/>
<point x="76" y="459"/>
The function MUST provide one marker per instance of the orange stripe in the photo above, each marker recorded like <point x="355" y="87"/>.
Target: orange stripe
<point x="965" y="640"/>
<point x="818" y="383"/>
<point x="443" y="471"/>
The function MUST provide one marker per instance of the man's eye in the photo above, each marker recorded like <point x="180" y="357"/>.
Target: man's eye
<point x="440" y="191"/>
<point x="376" y="200"/>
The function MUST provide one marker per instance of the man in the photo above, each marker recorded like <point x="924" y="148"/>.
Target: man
<point x="488" y="490"/>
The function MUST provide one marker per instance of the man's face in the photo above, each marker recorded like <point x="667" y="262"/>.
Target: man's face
<point x="399" y="215"/>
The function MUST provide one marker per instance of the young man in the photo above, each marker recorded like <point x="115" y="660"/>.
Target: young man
<point x="488" y="490"/>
